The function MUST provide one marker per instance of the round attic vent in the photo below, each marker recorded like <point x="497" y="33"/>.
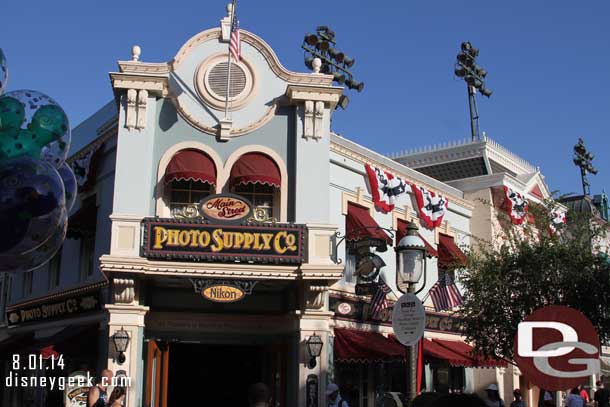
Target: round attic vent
<point x="211" y="82"/>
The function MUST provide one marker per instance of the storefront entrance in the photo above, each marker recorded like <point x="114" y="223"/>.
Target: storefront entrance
<point x="183" y="374"/>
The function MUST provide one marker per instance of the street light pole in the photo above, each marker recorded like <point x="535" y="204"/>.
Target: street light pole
<point x="412" y="353"/>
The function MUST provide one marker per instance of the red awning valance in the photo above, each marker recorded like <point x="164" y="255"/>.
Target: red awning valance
<point x="360" y="346"/>
<point x="191" y="165"/>
<point x="253" y="168"/>
<point x="467" y="351"/>
<point x="433" y="349"/>
<point x="360" y="225"/>
<point x="448" y="252"/>
<point x="402" y="231"/>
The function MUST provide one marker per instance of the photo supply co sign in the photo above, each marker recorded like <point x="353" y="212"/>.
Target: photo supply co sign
<point x="408" y="319"/>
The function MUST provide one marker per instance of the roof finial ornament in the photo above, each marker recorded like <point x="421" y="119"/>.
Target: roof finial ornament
<point x="229" y="10"/>
<point x="316" y="64"/>
<point x="136" y="51"/>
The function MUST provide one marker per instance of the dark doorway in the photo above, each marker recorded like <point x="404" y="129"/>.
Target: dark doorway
<point x="213" y="375"/>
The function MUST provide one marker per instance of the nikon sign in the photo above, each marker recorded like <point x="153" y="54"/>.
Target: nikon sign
<point x="194" y="240"/>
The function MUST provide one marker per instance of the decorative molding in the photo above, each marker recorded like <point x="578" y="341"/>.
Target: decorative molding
<point x="356" y="197"/>
<point x="141" y="108"/>
<point x="66" y="293"/>
<point x="123" y="290"/>
<point x="263" y="48"/>
<point x="315" y="296"/>
<point x="338" y="146"/>
<point x="325" y="94"/>
<point x="156" y="85"/>
<point x="131" y="265"/>
<point x="157" y="68"/>
<point x="318" y="122"/>
<point x="308" y="122"/>
<point x="130" y="113"/>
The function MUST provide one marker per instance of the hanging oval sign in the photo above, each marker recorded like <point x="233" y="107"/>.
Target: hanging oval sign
<point x="223" y="293"/>
<point x="225" y="208"/>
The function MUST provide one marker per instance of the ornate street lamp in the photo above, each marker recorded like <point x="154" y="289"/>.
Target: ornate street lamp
<point x="410" y="259"/>
<point x="121" y="341"/>
<point x="314" y="346"/>
<point x="410" y="265"/>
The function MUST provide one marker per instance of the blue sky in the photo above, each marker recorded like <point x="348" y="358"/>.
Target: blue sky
<point x="548" y="63"/>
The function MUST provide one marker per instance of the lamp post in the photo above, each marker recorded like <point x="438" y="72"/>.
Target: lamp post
<point x="314" y="346"/>
<point x="410" y="265"/>
<point x="474" y="76"/>
<point x="121" y="341"/>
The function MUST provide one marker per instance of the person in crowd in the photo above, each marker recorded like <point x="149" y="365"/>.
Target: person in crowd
<point x="333" y="396"/>
<point x="117" y="397"/>
<point x="457" y="399"/>
<point x="259" y="395"/>
<point x="98" y="396"/>
<point x="584" y="393"/>
<point x="601" y="396"/>
<point x="574" y="399"/>
<point x="493" y="396"/>
<point x="518" y="401"/>
<point x="545" y="399"/>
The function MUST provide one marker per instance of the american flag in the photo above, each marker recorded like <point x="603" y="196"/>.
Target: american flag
<point x="379" y="301"/>
<point x="235" y="42"/>
<point x="445" y="294"/>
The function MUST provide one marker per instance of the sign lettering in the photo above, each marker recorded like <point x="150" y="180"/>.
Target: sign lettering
<point x="53" y="310"/>
<point x="223" y="293"/>
<point x="225" y="207"/>
<point x="273" y="243"/>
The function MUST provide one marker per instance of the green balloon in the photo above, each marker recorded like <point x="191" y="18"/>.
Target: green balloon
<point x="25" y="143"/>
<point x="12" y="113"/>
<point x="49" y="121"/>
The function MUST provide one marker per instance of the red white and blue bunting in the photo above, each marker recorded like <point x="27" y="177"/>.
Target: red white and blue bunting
<point x="387" y="190"/>
<point x="558" y="220"/>
<point x="516" y="206"/>
<point x="431" y="207"/>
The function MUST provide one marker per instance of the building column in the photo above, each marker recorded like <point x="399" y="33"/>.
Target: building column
<point x="313" y="318"/>
<point x="126" y="313"/>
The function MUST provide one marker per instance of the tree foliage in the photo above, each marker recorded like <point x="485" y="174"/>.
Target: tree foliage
<point x="530" y="268"/>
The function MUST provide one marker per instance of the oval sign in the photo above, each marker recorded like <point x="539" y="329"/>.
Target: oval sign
<point x="225" y="207"/>
<point x="223" y="293"/>
<point x="408" y="319"/>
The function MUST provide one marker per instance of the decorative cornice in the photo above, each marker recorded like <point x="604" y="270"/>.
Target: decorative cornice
<point x="343" y="147"/>
<point x="65" y="293"/>
<point x="144" y="67"/>
<point x="156" y="85"/>
<point x="107" y="131"/>
<point x="326" y="94"/>
<point x="138" y="265"/>
<point x="261" y="46"/>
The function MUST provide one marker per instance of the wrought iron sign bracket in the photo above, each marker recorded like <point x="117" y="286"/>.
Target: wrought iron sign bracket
<point x="341" y="238"/>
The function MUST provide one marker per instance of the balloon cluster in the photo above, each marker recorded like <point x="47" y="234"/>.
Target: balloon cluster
<point x="37" y="186"/>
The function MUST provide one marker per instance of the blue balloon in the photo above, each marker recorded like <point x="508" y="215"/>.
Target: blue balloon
<point x="70" y="185"/>
<point x="3" y="72"/>
<point x="32" y="201"/>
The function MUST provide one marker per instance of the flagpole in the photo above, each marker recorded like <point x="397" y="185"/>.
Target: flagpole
<point x="229" y="61"/>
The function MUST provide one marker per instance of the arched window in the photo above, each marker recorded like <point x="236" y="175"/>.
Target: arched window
<point x="189" y="177"/>
<point x="257" y="178"/>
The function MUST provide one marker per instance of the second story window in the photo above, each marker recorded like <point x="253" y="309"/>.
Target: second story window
<point x="256" y="177"/>
<point x="87" y="256"/>
<point x="27" y="283"/>
<point x="189" y="177"/>
<point x="55" y="269"/>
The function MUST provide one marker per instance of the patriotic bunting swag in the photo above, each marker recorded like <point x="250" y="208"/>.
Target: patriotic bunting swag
<point x="431" y="207"/>
<point x="385" y="188"/>
<point x="558" y="219"/>
<point x="516" y="206"/>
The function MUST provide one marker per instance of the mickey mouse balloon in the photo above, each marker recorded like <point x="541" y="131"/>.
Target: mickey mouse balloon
<point x="33" y="124"/>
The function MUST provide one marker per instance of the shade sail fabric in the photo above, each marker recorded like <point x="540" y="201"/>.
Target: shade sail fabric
<point x="191" y="165"/>
<point x="467" y="351"/>
<point x="448" y="252"/>
<point x="255" y="168"/>
<point x="360" y="225"/>
<point x="433" y="349"/>
<point x="402" y="231"/>
<point x="363" y="347"/>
